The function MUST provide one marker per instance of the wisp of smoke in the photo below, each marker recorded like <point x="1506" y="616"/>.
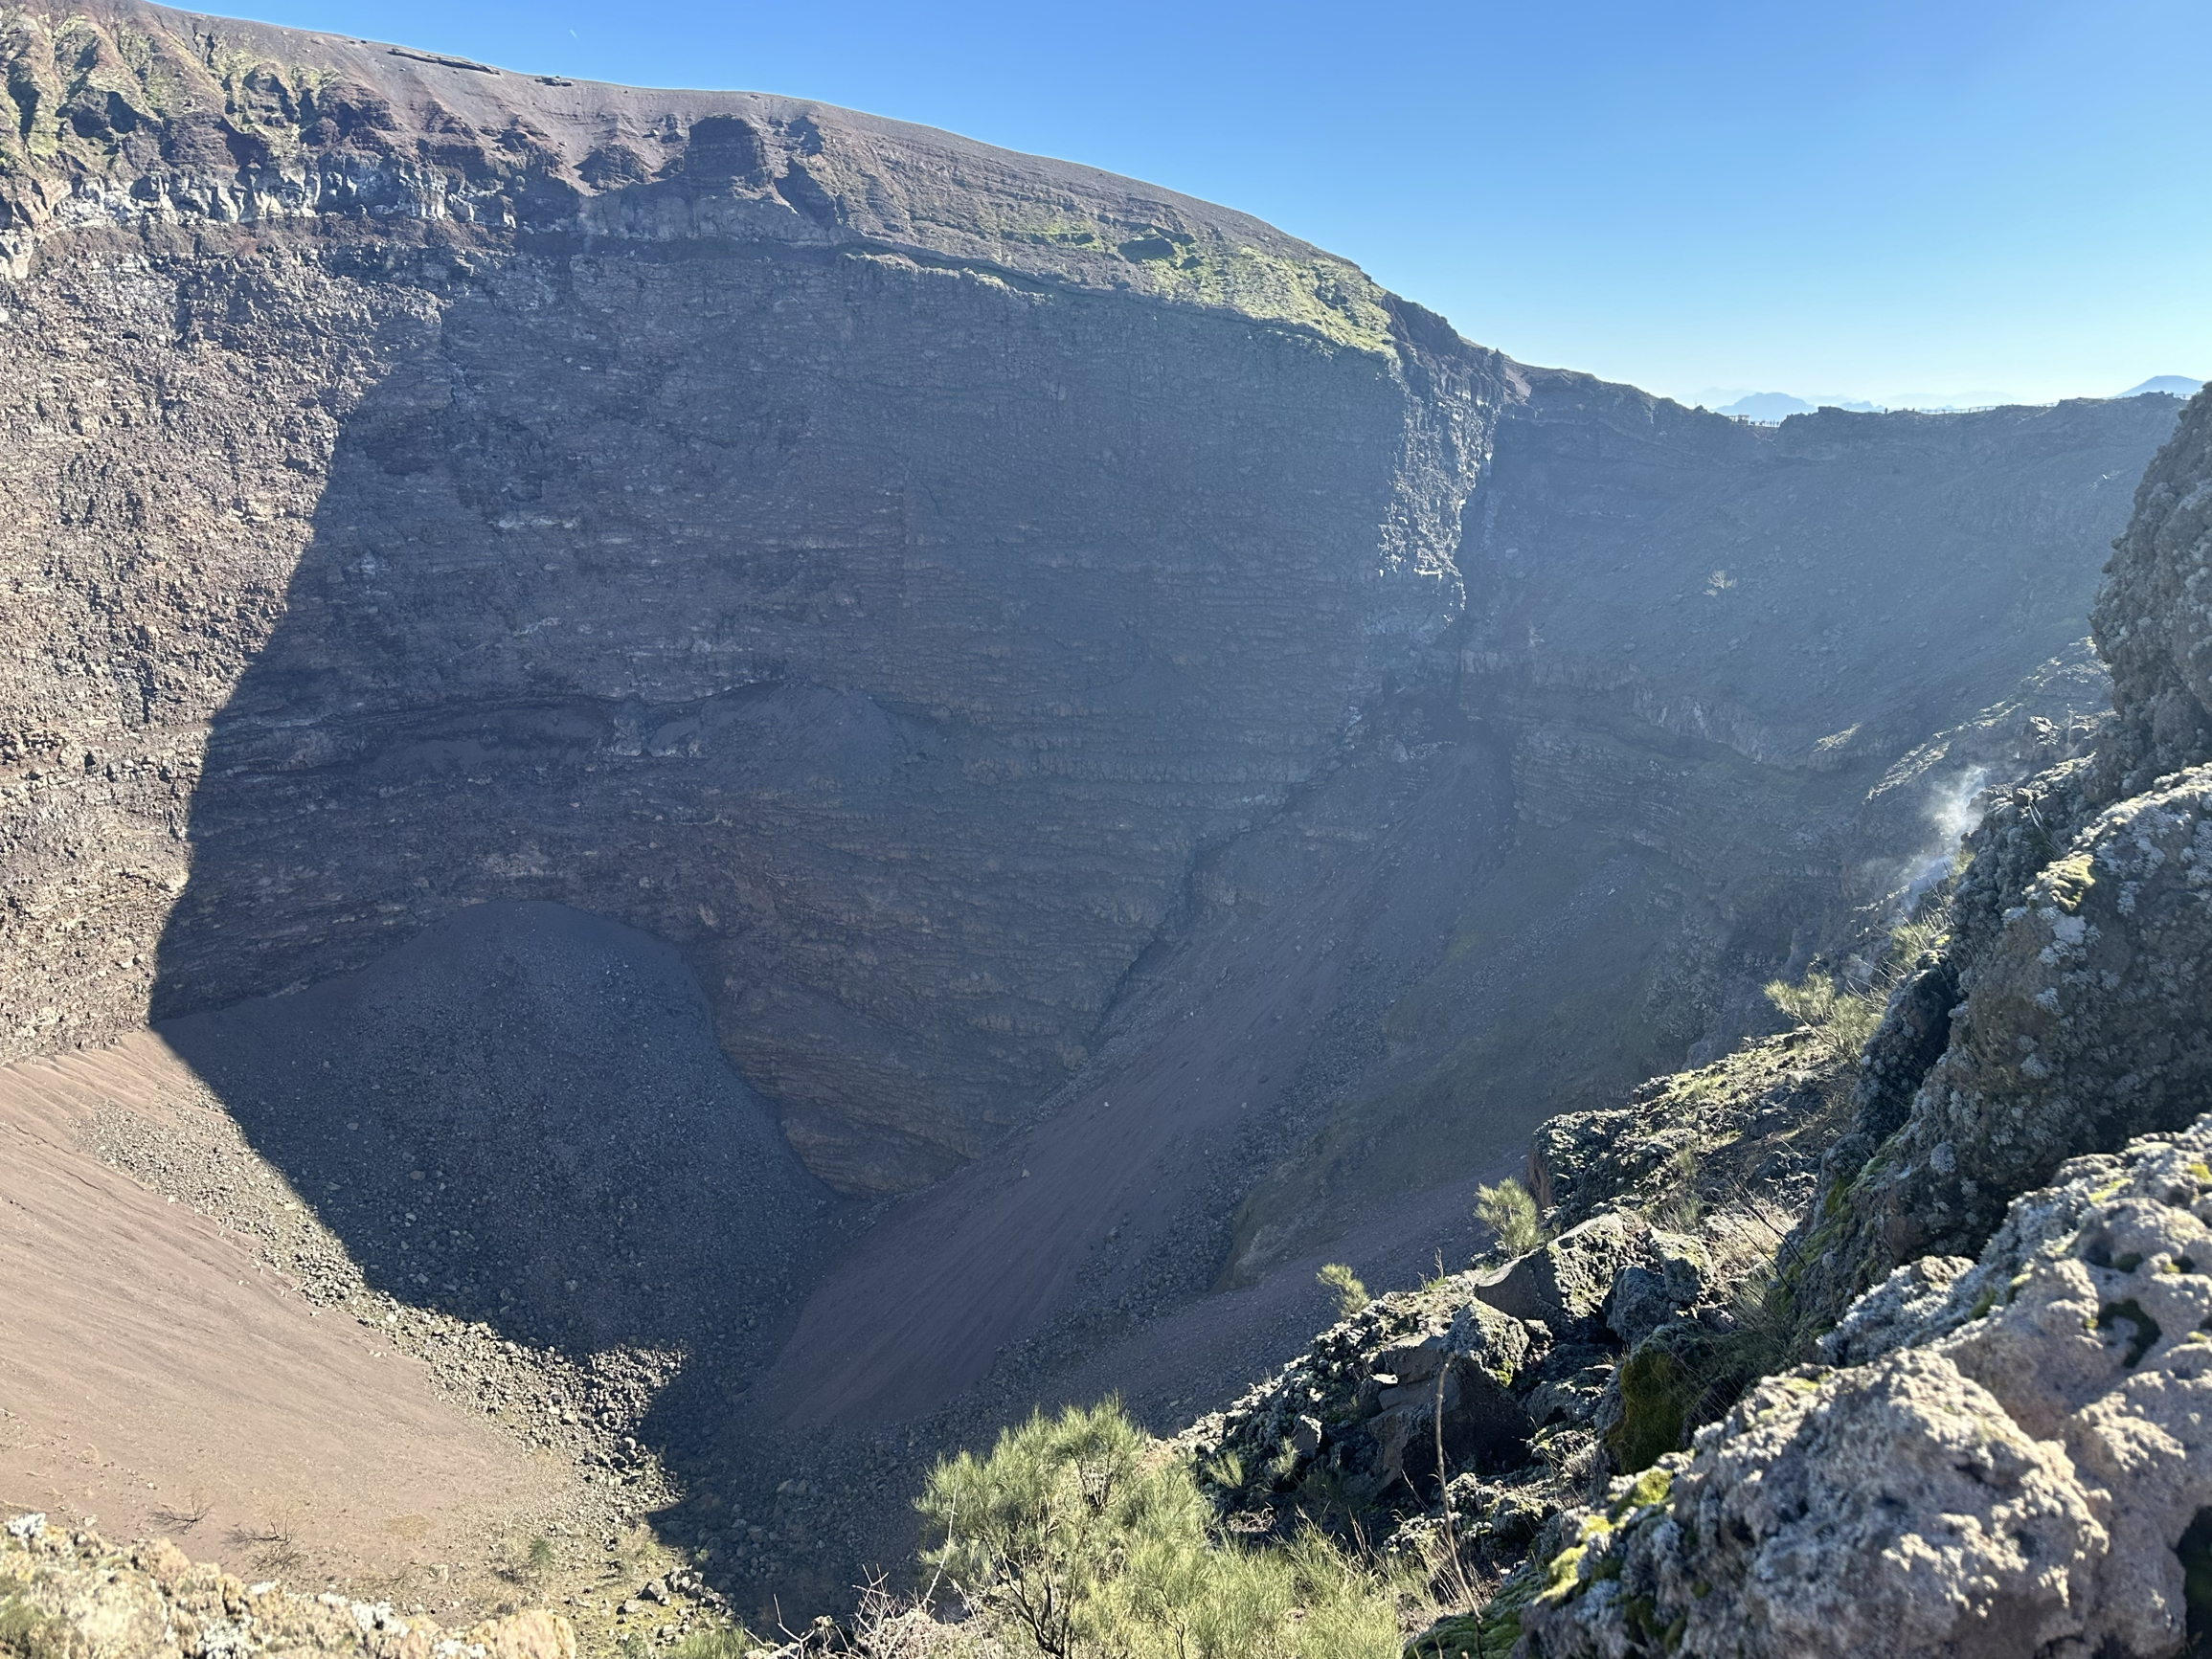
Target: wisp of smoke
<point x="1954" y="811"/>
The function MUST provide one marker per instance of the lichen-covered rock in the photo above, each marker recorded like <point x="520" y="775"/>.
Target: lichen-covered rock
<point x="1694" y="1135"/>
<point x="1881" y="1517"/>
<point x="1563" y="1283"/>
<point x="2087" y="1021"/>
<point x="1894" y="1311"/>
<point x="1359" y="1411"/>
<point x="72" y="1595"/>
<point x="1638" y="1303"/>
<point x="2014" y="1472"/>
<point x="2154" y="620"/>
<point x="2081" y="946"/>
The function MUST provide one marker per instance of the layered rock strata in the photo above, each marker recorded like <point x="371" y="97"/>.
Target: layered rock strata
<point x="893" y="571"/>
<point x="791" y="532"/>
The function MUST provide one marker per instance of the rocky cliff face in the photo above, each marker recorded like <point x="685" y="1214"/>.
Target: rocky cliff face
<point x="888" y="569"/>
<point x="873" y="563"/>
<point x="2073" y="1014"/>
<point x="1706" y="662"/>
<point x="1999" y="1452"/>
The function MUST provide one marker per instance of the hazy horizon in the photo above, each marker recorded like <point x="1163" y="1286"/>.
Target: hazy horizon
<point x="1729" y="399"/>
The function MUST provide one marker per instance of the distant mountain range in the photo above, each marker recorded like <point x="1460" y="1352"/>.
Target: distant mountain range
<point x="1770" y="406"/>
<point x="2179" y="384"/>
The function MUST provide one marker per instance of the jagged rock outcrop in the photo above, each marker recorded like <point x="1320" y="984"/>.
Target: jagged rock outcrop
<point x="2012" y="1459"/>
<point x="2075" y="982"/>
<point x="73" y="1593"/>
<point x="2152" y="623"/>
<point x="1359" y="1414"/>
<point x="1750" y="1124"/>
<point x="1531" y="1370"/>
<point x="2059" y="1373"/>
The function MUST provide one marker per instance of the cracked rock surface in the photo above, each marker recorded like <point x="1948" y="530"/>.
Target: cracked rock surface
<point x="2011" y="1463"/>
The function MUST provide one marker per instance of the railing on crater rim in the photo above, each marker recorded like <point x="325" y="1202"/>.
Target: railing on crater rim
<point x="1902" y="409"/>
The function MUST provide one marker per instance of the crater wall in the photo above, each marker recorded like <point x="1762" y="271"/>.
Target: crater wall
<point x="872" y="563"/>
<point x="929" y="587"/>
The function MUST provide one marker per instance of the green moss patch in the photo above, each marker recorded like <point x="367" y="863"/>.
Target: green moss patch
<point x="1657" y="1393"/>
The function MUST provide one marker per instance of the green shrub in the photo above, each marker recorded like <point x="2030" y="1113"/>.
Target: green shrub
<point x="1841" y="1020"/>
<point x="1681" y="1378"/>
<point x="1037" y="1529"/>
<point x="1079" y="1535"/>
<point x="1509" y="1211"/>
<point x="28" y="1632"/>
<point x="1658" y="1393"/>
<point x="1352" y="1296"/>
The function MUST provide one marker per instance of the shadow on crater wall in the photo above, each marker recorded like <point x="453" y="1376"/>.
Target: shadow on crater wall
<point x="886" y="640"/>
<point x="521" y="1116"/>
<point x="740" y="714"/>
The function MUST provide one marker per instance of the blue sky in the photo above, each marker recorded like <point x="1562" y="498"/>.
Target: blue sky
<point x="1937" y="201"/>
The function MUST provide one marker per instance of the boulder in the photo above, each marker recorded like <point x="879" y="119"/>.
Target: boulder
<point x="1894" y="1311"/>
<point x="1638" y="1303"/>
<point x="1684" y="1262"/>
<point x="533" y="1634"/>
<point x="1902" y="1513"/>
<point x="1563" y="1283"/>
<point x="164" y="1563"/>
<point x="1463" y="1372"/>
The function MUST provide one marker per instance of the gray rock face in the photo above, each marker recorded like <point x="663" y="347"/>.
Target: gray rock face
<point x="2152" y="620"/>
<point x="2008" y="1467"/>
<point x="2088" y="1020"/>
<point x="2013" y="1458"/>
<point x="1566" y="1283"/>
<point x="1706" y="534"/>
<point x="780" y="530"/>
<point x="1894" y="1311"/>
<point x="1359" y="1414"/>
<point x="804" y="562"/>
<point x="913" y="580"/>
